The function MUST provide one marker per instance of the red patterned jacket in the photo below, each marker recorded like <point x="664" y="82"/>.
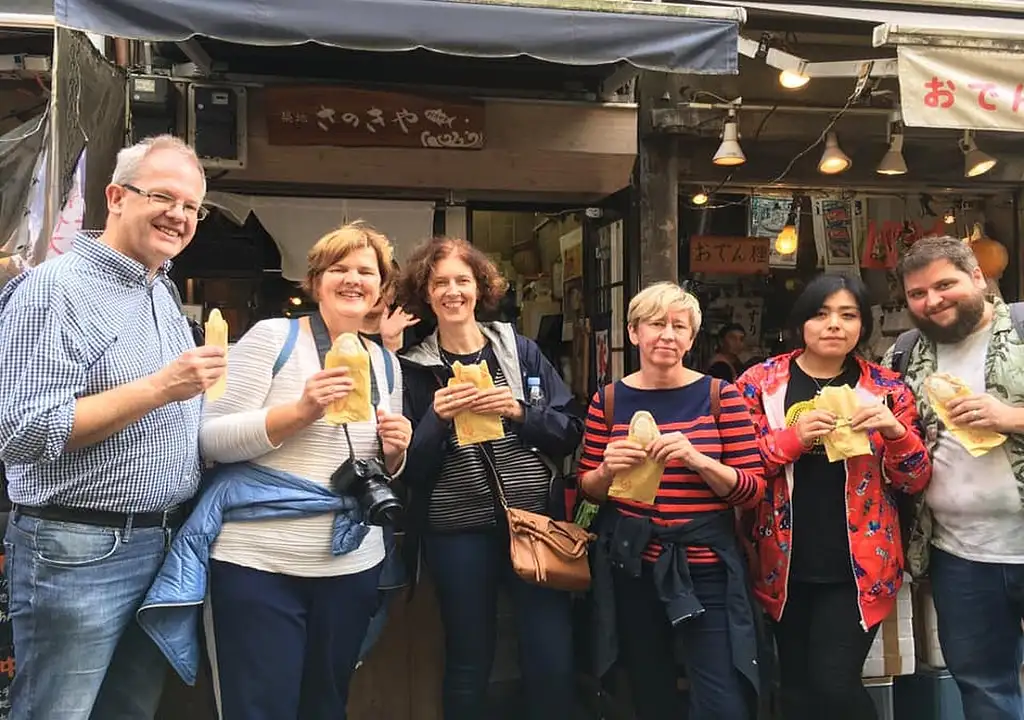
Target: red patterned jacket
<point x="873" y="521"/>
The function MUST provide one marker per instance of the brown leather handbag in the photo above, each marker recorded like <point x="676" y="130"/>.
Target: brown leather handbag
<point x="544" y="551"/>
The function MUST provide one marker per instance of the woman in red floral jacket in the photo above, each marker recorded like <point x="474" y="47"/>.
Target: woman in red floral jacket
<point x="829" y="553"/>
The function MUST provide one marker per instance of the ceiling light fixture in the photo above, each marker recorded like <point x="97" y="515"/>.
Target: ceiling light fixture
<point x="729" y="152"/>
<point x="793" y="79"/>
<point x="893" y="162"/>
<point x="833" y="160"/>
<point x="976" y="162"/>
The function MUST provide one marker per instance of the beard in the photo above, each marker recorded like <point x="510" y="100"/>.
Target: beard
<point x="969" y="313"/>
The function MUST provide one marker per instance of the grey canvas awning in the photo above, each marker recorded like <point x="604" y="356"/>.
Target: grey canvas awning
<point x="650" y="36"/>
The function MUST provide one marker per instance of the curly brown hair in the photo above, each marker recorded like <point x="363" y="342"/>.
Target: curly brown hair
<point x="414" y="285"/>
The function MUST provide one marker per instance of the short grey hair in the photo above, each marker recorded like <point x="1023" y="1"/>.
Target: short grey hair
<point x="928" y="250"/>
<point x="130" y="159"/>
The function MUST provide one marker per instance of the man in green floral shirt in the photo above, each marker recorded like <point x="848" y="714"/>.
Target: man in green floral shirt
<point x="969" y="534"/>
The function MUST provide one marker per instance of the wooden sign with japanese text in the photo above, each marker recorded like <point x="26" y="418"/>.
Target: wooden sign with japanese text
<point x="961" y="88"/>
<point x="364" y="118"/>
<point x="729" y="255"/>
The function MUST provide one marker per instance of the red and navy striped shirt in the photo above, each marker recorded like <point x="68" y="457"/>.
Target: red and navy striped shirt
<point x="683" y="494"/>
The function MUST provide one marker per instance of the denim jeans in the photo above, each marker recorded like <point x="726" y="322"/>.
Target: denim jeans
<point x="467" y="569"/>
<point x="980" y="607"/>
<point x="74" y="590"/>
<point x="649" y="648"/>
<point x="286" y="646"/>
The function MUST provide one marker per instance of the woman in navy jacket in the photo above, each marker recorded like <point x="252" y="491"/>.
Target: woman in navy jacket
<point x="453" y="503"/>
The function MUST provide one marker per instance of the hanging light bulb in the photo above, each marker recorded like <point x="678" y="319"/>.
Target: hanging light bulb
<point x="975" y="161"/>
<point x="296" y="301"/>
<point x="729" y="152"/>
<point x="949" y="217"/>
<point x="833" y="160"/>
<point x="793" y="79"/>
<point x="786" y="241"/>
<point x="893" y="162"/>
<point x="699" y="198"/>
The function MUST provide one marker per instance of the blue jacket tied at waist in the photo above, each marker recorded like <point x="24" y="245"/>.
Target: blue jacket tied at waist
<point x="170" y="614"/>
<point x="621" y="541"/>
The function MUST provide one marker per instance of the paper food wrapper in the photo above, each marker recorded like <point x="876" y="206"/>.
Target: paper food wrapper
<point x="940" y="389"/>
<point x="349" y="352"/>
<point x="842" y="443"/>
<point x="640" y="483"/>
<point x="217" y="336"/>
<point x="471" y="428"/>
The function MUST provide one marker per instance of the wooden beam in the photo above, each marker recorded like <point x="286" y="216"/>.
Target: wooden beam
<point x="659" y="210"/>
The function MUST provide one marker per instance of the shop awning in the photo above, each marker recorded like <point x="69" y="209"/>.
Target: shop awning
<point x="650" y="36"/>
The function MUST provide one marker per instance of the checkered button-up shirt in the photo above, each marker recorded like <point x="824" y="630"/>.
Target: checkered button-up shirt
<point x="80" y="325"/>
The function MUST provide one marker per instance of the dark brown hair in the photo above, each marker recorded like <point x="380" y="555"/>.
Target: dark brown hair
<point x="928" y="250"/>
<point x="414" y="285"/>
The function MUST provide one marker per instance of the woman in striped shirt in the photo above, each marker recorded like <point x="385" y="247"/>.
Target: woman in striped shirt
<point x="670" y="572"/>
<point x="453" y="487"/>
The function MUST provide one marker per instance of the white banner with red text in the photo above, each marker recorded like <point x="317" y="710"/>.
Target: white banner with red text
<point x="962" y="88"/>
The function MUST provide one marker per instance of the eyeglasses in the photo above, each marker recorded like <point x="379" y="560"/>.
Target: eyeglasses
<point x="165" y="201"/>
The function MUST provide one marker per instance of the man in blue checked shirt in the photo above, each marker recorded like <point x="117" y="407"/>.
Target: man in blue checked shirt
<point x="99" y="424"/>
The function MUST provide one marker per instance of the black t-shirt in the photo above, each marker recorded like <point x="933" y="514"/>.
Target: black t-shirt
<point x="821" y="546"/>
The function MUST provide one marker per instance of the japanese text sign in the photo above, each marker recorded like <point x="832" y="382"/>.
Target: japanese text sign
<point x="364" y="118"/>
<point x="962" y="88"/>
<point x="729" y="255"/>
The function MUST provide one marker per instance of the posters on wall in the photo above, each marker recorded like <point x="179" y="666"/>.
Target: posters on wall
<point x="838" y="224"/>
<point x="768" y="215"/>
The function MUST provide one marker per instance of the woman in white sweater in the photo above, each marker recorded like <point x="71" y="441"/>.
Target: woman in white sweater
<point x="289" y="615"/>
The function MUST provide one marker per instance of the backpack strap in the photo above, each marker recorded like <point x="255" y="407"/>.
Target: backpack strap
<point x="902" y="348"/>
<point x="716" y="398"/>
<point x="1017" y="318"/>
<point x="609" y="406"/>
<point x="389" y="369"/>
<point x="286" y="349"/>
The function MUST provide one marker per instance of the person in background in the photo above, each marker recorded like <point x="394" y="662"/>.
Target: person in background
<point x="387" y="324"/>
<point x="454" y="499"/>
<point x="972" y="519"/>
<point x="725" y="364"/>
<point x="670" y="573"/>
<point x="827" y="536"/>
<point x="290" y="610"/>
<point x="99" y="423"/>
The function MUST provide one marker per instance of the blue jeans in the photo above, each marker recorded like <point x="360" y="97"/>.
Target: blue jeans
<point x="649" y="647"/>
<point x="74" y="590"/>
<point x="980" y="607"/>
<point x="467" y="569"/>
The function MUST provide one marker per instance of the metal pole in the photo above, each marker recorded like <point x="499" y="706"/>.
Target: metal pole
<point x="52" y="207"/>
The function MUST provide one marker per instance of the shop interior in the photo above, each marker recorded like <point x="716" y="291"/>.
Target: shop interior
<point x="565" y="267"/>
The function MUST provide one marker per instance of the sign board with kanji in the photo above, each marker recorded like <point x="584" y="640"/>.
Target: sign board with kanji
<point x="364" y="118"/>
<point x="729" y="255"/>
<point x="962" y="88"/>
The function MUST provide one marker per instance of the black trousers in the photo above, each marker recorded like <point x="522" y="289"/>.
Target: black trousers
<point x="822" y="648"/>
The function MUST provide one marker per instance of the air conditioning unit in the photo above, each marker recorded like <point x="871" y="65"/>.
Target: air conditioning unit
<point x="217" y="127"/>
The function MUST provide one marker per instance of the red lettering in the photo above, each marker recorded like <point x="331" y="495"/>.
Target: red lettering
<point x="984" y="90"/>
<point x="1018" y="96"/>
<point x="940" y="93"/>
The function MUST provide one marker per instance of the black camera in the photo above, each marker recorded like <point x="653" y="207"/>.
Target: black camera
<point x="368" y="482"/>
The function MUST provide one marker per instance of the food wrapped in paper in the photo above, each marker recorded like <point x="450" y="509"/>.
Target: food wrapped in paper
<point x="470" y="427"/>
<point x="216" y="333"/>
<point x="640" y="483"/>
<point x="348" y="352"/>
<point x="940" y="388"/>
<point x="843" y="442"/>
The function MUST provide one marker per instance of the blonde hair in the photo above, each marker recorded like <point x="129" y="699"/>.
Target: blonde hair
<point x="654" y="302"/>
<point x="335" y="245"/>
